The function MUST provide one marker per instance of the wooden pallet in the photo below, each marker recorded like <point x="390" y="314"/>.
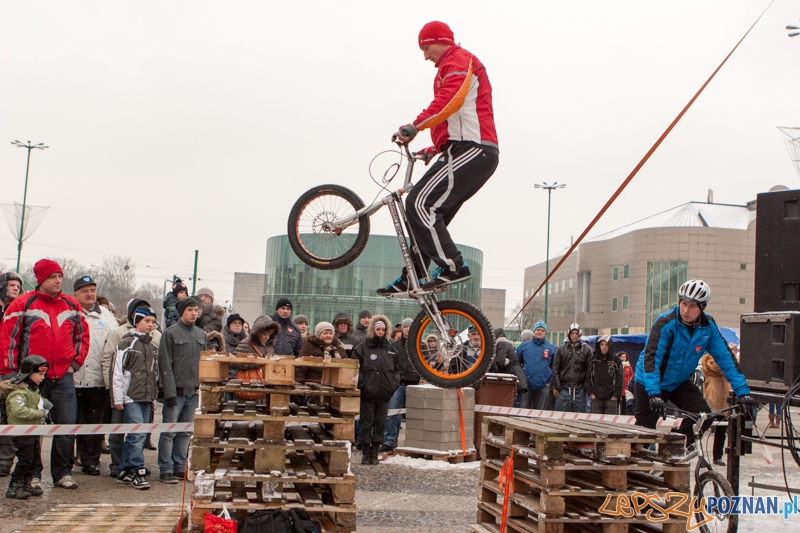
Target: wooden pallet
<point x="279" y="370"/>
<point x="435" y="455"/>
<point x="278" y="397"/>
<point x="108" y="518"/>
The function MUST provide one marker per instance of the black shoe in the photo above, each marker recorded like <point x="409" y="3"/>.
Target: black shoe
<point x="17" y="492"/>
<point x="386" y="448"/>
<point x="443" y="277"/>
<point x="719" y="462"/>
<point x="366" y="454"/>
<point x="125" y="477"/>
<point x="34" y="486"/>
<point x="91" y="470"/>
<point x="397" y="287"/>
<point x="105" y="449"/>
<point x="374" y="460"/>
<point x="148" y="445"/>
<point x="78" y="461"/>
<point x="168" y="478"/>
<point x="140" y="480"/>
<point x="5" y="470"/>
<point x="179" y="475"/>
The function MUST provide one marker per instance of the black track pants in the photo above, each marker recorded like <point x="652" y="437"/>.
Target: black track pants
<point x="452" y="180"/>
<point x="686" y="396"/>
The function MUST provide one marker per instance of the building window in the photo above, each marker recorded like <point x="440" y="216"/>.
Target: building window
<point x="616" y="273"/>
<point x="563" y="285"/>
<point x="584" y="291"/>
<point x="627" y="272"/>
<point x="614" y="331"/>
<point x="742" y="300"/>
<point x="624" y="303"/>
<point x="743" y="266"/>
<point x="625" y="331"/>
<point x="663" y="280"/>
<point x="570" y="283"/>
<point x="613" y="304"/>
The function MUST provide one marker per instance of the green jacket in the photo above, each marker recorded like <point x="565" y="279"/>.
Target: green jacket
<point x="22" y="404"/>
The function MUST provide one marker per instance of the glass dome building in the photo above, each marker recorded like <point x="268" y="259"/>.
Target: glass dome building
<point x="320" y="294"/>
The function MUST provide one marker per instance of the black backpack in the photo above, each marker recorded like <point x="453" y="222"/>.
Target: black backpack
<point x="303" y="523"/>
<point x="271" y="521"/>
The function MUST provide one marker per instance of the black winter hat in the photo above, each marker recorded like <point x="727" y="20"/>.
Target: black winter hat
<point x="499" y="332"/>
<point x="29" y="365"/>
<point x="191" y="301"/>
<point x="234" y="316"/>
<point x="283" y="302"/>
<point x="365" y="313"/>
<point x="179" y="287"/>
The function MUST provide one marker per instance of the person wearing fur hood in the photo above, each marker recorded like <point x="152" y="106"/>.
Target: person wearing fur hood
<point x="604" y="378"/>
<point x="323" y="343"/>
<point x="343" y="327"/>
<point x="378" y="378"/>
<point x="261" y="342"/>
<point x="715" y="392"/>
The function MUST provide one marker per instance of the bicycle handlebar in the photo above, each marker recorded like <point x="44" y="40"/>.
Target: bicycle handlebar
<point x="696" y="416"/>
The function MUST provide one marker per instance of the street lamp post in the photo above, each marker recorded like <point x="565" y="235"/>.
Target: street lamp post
<point x="30" y="147"/>
<point x="549" y="189"/>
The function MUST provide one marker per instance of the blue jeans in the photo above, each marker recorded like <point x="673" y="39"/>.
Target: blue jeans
<point x="61" y="393"/>
<point x="398" y="401"/>
<point x="566" y="402"/>
<point x="537" y="397"/>
<point x="133" y="449"/>
<point x="173" y="448"/>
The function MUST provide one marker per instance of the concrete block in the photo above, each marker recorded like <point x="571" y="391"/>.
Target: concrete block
<point x="440" y="414"/>
<point x="442" y="403"/>
<point x="415" y="412"/>
<point x="415" y="402"/>
<point x="436" y="392"/>
<point x="416" y="391"/>
<point x="440" y="425"/>
<point x="414" y="435"/>
<point x="415" y="423"/>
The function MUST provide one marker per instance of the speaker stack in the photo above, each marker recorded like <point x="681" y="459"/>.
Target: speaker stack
<point x="770" y="337"/>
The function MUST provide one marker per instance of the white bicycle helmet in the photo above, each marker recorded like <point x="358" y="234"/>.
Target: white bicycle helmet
<point x="695" y="290"/>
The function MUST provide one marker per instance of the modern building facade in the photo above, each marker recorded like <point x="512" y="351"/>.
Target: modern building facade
<point x="493" y="305"/>
<point x="247" y="289"/>
<point x="320" y="294"/>
<point x="619" y="282"/>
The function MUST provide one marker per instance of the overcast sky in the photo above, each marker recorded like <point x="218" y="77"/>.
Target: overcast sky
<point x="176" y="126"/>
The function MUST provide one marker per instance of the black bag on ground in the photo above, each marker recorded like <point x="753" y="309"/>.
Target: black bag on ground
<point x="271" y="521"/>
<point x="303" y="523"/>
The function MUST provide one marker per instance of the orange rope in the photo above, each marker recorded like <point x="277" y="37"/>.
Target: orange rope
<point x="183" y="495"/>
<point x="461" y="402"/>
<point x="507" y="476"/>
<point x="639" y="166"/>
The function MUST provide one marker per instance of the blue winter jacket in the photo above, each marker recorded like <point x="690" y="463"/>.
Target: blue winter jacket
<point x="670" y="356"/>
<point x="536" y="358"/>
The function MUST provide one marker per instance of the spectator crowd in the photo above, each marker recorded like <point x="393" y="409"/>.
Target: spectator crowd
<point x="66" y="359"/>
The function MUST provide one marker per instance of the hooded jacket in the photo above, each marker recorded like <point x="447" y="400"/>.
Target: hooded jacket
<point x="345" y="338"/>
<point x="215" y="336"/>
<point x="21" y="403"/>
<point x="135" y="370"/>
<point x="506" y="362"/>
<point x="604" y="376"/>
<point x="536" y="358"/>
<point x="408" y="375"/>
<point x="179" y="360"/>
<point x="252" y="344"/>
<point x="673" y="351"/>
<point x="51" y="326"/>
<point x="113" y="339"/>
<point x="101" y="324"/>
<point x="315" y="347"/>
<point x="210" y="318"/>
<point x="232" y="339"/>
<point x="171" y="314"/>
<point x="289" y="341"/>
<point x="569" y="365"/>
<point x="378" y="372"/>
<point x="715" y="386"/>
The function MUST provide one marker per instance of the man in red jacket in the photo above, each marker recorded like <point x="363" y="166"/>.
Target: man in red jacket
<point x="461" y="121"/>
<point x="51" y="324"/>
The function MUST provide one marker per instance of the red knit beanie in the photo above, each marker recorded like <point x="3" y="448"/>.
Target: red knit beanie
<point x="436" y="33"/>
<point x="44" y="268"/>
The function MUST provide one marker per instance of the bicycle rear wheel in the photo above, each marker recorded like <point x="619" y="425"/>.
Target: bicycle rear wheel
<point x="714" y="485"/>
<point x="312" y="235"/>
<point x="446" y="362"/>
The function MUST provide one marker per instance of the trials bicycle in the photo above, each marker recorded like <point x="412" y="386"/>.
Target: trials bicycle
<point x="329" y="228"/>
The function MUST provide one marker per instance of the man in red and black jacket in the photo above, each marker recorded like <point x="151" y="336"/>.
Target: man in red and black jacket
<point x="51" y="324"/>
<point x="461" y="121"/>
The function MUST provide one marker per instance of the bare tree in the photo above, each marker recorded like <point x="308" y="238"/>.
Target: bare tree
<point x="116" y="280"/>
<point x="71" y="268"/>
<point x="528" y="317"/>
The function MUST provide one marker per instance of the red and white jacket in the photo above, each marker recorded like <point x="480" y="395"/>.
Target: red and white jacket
<point x="51" y="326"/>
<point x="462" y="105"/>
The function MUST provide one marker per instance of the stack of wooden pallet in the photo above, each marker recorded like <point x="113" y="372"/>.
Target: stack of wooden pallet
<point x="288" y="449"/>
<point x="577" y="476"/>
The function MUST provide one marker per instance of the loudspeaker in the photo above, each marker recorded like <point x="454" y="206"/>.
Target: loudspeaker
<point x="770" y="350"/>
<point x="777" y="277"/>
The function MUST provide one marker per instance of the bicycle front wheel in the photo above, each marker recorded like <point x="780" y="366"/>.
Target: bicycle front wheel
<point x="714" y="485"/>
<point x="313" y="234"/>
<point x="447" y="360"/>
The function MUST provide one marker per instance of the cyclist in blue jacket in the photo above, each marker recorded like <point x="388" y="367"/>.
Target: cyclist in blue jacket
<point x="677" y="341"/>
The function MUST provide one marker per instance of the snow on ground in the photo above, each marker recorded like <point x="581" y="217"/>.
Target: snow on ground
<point x="426" y="464"/>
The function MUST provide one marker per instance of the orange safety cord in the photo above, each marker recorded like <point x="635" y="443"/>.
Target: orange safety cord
<point x="637" y="167"/>
<point x="461" y="401"/>
<point x="507" y="476"/>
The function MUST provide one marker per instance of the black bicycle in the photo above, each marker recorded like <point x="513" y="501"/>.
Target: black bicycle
<point x="709" y="483"/>
<point x="329" y="228"/>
